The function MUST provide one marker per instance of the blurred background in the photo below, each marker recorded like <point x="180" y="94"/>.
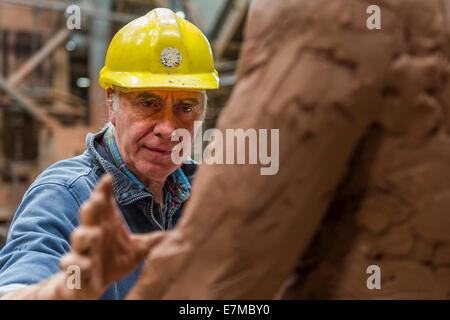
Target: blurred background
<point x="49" y="93"/>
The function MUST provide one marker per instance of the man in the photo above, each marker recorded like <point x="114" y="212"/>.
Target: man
<point x="71" y="218"/>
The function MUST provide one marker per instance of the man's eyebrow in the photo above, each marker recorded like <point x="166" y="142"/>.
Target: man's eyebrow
<point x="146" y="95"/>
<point x="191" y="101"/>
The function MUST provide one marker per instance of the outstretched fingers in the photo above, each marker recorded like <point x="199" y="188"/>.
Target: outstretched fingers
<point x="101" y="204"/>
<point x="85" y="240"/>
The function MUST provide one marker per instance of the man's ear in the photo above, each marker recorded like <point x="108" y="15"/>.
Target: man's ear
<point x="109" y="101"/>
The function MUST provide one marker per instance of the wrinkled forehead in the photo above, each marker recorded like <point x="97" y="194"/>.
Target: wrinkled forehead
<point x="163" y="94"/>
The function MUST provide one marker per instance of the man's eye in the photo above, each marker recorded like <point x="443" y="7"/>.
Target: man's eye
<point x="150" y="103"/>
<point x="186" y="108"/>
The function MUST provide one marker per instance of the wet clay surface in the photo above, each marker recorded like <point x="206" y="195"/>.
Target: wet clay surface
<point x="364" y="173"/>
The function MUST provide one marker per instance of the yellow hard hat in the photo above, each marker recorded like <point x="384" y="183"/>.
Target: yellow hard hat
<point x="159" y="50"/>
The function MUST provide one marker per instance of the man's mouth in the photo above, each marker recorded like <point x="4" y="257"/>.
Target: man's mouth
<point x="159" y="150"/>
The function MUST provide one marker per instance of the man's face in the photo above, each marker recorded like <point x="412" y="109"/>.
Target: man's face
<point x="144" y="123"/>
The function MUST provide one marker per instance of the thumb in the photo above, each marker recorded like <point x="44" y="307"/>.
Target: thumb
<point x="144" y="243"/>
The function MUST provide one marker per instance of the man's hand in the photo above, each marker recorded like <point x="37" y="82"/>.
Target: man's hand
<point x="102" y="247"/>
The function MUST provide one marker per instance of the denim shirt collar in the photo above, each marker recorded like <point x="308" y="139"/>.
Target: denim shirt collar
<point x="124" y="189"/>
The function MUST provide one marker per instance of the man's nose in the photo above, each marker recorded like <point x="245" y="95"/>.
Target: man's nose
<point x="165" y="124"/>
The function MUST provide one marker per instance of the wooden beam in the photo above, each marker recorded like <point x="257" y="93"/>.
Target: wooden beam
<point x="55" y="94"/>
<point x="62" y="6"/>
<point x="232" y="23"/>
<point x="28" y="105"/>
<point x="193" y="13"/>
<point x="67" y="97"/>
<point x="38" y="57"/>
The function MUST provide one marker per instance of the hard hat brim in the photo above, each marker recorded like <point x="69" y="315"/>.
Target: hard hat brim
<point x="140" y="80"/>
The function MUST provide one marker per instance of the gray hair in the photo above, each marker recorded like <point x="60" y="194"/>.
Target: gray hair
<point x="115" y="99"/>
<point x="116" y="96"/>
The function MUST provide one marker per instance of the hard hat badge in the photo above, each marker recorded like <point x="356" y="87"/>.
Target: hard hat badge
<point x="171" y="57"/>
